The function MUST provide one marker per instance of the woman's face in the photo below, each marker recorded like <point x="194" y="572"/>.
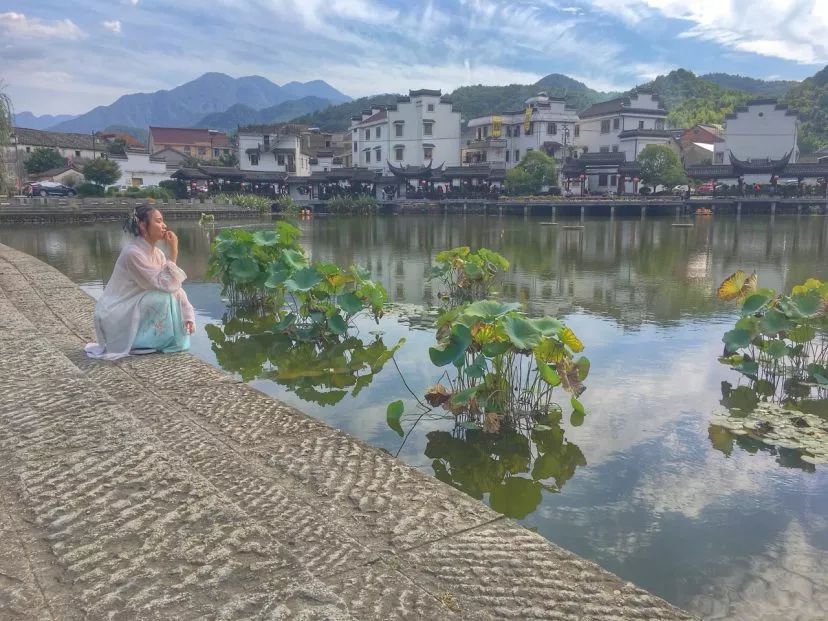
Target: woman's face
<point x="153" y="231"/>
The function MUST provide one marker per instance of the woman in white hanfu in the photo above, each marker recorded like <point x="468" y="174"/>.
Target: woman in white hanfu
<point x="143" y="308"/>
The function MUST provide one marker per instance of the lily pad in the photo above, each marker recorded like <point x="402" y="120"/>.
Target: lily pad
<point x="393" y="415"/>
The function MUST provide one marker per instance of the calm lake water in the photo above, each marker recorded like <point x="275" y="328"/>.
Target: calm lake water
<point x="735" y="530"/>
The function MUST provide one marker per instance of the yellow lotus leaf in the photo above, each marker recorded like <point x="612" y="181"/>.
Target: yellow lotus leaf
<point x="491" y="423"/>
<point x="737" y="286"/>
<point x="549" y="350"/>
<point x="569" y="339"/>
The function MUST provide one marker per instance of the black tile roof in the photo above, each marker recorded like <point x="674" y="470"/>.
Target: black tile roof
<point x="57" y="140"/>
<point x="646" y="133"/>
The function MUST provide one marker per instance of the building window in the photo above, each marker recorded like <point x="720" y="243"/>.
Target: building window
<point x="367" y="156"/>
<point x="485" y="131"/>
<point x="605" y="126"/>
<point x="356" y="147"/>
<point x="215" y="152"/>
<point x="613" y="180"/>
<point x="137" y="182"/>
<point x="398" y="153"/>
<point x="508" y="131"/>
<point x="378" y="132"/>
<point x="77" y="153"/>
<point x="378" y="155"/>
<point x="604" y="150"/>
<point x="266" y="140"/>
<point x="430" y="107"/>
<point x="577" y="130"/>
<point x="202" y="150"/>
<point x="280" y="160"/>
<point x="507" y="155"/>
<point x="367" y="134"/>
<point x="531" y="129"/>
<point x="428" y="128"/>
<point x="327" y="144"/>
<point x="615" y="148"/>
<point x="659" y="123"/>
<point x="586" y="149"/>
<point x="427" y="151"/>
<point x="226" y="151"/>
<point x="254" y="159"/>
<point x="641" y="125"/>
<point x="551" y="128"/>
<point x="616" y="123"/>
<point x="602" y="180"/>
<point x="398" y="129"/>
<point x="720" y="158"/>
<point x="517" y="155"/>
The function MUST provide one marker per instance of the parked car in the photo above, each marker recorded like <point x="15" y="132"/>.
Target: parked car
<point x="707" y="188"/>
<point x="48" y="188"/>
<point x="679" y="190"/>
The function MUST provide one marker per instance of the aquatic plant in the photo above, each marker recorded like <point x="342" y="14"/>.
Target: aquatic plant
<point x="502" y="367"/>
<point x="468" y="275"/>
<point x="241" y="261"/>
<point x="269" y="270"/>
<point x="357" y="204"/>
<point x="250" y="201"/>
<point x="780" y="341"/>
<point x="322" y="371"/>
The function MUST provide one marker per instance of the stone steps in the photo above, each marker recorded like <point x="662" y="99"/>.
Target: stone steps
<point x="159" y="487"/>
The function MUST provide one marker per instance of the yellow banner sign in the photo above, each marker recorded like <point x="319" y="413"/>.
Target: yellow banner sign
<point x="527" y="119"/>
<point x="497" y="124"/>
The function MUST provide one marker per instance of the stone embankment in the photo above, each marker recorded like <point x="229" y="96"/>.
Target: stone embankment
<point x="87" y="210"/>
<point x="158" y="487"/>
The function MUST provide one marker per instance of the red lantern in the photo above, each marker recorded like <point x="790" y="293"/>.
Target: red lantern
<point x="636" y="179"/>
<point x="583" y="177"/>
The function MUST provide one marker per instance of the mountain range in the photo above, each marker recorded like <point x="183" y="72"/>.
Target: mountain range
<point x="187" y="104"/>
<point x="219" y="101"/>
<point x="27" y="119"/>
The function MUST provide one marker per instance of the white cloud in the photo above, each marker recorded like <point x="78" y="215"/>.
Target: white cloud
<point x="788" y="29"/>
<point x="17" y="25"/>
<point x="113" y="26"/>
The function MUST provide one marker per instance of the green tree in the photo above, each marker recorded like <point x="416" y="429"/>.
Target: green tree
<point x="535" y="170"/>
<point x="660" y="166"/>
<point x="102" y="171"/>
<point x="117" y="146"/>
<point x="43" y="159"/>
<point x="228" y="159"/>
<point x="6" y="127"/>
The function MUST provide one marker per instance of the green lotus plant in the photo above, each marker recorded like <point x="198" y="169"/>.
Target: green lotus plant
<point x="269" y="270"/>
<point x="780" y="341"/>
<point x="468" y="275"/>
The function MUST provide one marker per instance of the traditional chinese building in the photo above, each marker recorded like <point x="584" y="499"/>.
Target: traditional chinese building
<point x="761" y="129"/>
<point x="417" y="130"/>
<point x="502" y="139"/>
<point x="201" y="144"/>
<point x="276" y="147"/>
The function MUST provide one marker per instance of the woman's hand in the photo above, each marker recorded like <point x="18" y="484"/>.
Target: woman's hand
<point x="189" y="326"/>
<point x="171" y="239"/>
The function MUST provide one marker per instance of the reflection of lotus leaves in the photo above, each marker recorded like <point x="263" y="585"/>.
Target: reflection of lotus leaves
<point x="478" y="463"/>
<point x="516" y="497"/>
<point x="321" y="372"/>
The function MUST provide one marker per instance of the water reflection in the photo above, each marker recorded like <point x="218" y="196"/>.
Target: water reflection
<point x="657" y="500"/>
<point x="320" y="371"/>
<point x="512" y="466"/>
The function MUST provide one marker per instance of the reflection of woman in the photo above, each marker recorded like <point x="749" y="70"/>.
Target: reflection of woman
<point x="143" y="308"/>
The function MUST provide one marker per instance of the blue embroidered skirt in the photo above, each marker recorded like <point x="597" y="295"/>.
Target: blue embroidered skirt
<point x="161" y="325"/>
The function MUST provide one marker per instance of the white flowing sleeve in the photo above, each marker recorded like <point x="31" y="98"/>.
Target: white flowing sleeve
<point x="164" y="276"/>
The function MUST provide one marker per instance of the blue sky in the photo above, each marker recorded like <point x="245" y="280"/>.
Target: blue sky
<point x="67" y="57"/>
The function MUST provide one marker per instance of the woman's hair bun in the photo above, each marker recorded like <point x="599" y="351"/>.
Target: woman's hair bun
<point x="138" y="215"/>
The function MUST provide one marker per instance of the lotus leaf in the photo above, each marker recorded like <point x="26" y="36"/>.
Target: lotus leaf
<point x="802" y="334"/>
<point x="775" y="322"/>
<point x="807" y="304"/>
<point x="488" y="310"/>
<point x="454" y="349"/>
<point x="349" y="303"/>
<point x="393" y="415"/>
<point x="737" y="286"/>
<point x="755" y="302"/>
<point x="548" y="326"/>
<point x="266" y="238"/>
<point x="303" y="280"/>
<point x="583" y="367"/>
<point x="473" y="271"/>
<point x="294" y="259"/>
<point x="548" y="374"/>
<point x="569" y="339"/>
<point x="337" y="324"/>
<point x="244" y="269"/>
<point x="523" y="334"/>
<point x="776" y="348"/>
<point x="736" y="339"/>
<point x="516" y="497"/>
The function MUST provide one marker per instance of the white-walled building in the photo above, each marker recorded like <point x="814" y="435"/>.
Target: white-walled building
<point x="420" y="129"/>
<point x="274" y="148"/>
<point x="761" y="129"/>
<point x="611" y="134"/>
<point x="139" y="169"/>
<point x="502" y="139"/>
<point x="71" y="146"/>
